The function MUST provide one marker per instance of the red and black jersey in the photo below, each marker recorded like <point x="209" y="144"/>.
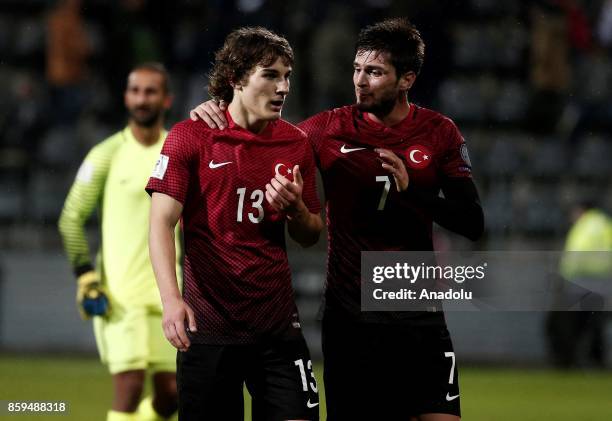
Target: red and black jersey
<point x="364" y="210"/>
<point x="236" y="274"/>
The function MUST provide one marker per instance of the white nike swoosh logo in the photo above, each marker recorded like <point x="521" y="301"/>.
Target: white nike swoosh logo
<point x="311" y="405"/>
<point x="220" y="164"/>
<point x="344" y="149"/>
<point x="451" y="398"/>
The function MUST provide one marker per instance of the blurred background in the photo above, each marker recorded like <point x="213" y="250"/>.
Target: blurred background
<point x="529" y="83"/>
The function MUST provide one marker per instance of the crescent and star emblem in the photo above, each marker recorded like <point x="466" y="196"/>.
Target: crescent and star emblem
<point x="415" y="159"/>
<point x="419" y="156"/>
<point x="284" y="169"/>
<point x="278" y="168"/>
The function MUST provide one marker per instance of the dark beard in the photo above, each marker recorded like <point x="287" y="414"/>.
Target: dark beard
<point x="147" y="120"/>
<point x="380" y="108"/>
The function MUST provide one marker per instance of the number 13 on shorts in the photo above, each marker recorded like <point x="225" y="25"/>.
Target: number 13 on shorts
<point x="307" y="382"/>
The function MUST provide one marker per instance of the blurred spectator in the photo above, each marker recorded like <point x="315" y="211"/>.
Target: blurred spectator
<point x="569" y="332"/>
<point x="67" y="51"/>
<point x="589" y="30"/>
<point x="550" y="65"/>
<point x="578" y="25"/>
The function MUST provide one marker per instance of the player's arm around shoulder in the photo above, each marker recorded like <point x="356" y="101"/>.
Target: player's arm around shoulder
<point x="212" y="113"/>
<point x="165" y="213"/>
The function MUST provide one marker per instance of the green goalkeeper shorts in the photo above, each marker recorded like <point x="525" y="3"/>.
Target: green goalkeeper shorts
<point x="133" y="339"/>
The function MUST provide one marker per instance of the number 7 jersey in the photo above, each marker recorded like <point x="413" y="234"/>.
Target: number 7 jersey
<point x="236" y="274"/>
<point x="364" y="210"/>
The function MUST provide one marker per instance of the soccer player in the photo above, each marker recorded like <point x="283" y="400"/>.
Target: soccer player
<point x="392" y="365"/>
<point x="236" y="322"/>
<point x="120" y="292"/>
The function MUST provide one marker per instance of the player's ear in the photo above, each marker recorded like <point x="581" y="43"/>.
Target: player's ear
<point x="235" y="84"/>
<point x="407" y="80"/>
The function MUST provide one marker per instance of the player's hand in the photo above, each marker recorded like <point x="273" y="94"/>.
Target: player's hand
<point x="212" y="113"/>
<point x="175" y="313"/>
<point x="392" y="163"/>
<point x="285" y="195"/>
<point x="91" y="297"/>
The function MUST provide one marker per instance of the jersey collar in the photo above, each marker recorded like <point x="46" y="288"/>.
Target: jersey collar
<point x="246" y="134"/>
<point x="377" y="134"/>
<point x="398" y="126"/>
<point x="129" y="136"/>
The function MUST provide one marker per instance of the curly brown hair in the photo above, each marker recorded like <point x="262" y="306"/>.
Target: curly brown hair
<point x="243" y="50"/>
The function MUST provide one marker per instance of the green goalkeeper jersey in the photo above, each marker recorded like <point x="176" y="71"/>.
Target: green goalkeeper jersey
<point x="112" y="178"/>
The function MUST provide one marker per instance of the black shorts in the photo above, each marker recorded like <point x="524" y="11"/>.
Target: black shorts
<point x="387" y="371"/>
<point x="277" y="374"/>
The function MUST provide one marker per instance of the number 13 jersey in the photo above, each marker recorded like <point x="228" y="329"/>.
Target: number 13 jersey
<point x="236" y="274"/>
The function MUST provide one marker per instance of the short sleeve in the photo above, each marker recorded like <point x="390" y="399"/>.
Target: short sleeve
<point x="170" y="175"/>
<point x="455" y="159"/>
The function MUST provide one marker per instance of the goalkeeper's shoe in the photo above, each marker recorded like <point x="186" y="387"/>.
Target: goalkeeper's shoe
<point x="91" y="297"/>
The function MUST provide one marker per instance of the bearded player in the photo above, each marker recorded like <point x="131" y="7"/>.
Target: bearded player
<point x="236" y="322"/>
<point x="120" y="292"/>
<point x="383" y="162"/>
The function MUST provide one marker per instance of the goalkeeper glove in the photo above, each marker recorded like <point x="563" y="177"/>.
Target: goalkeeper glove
<point x="91" y="297"/>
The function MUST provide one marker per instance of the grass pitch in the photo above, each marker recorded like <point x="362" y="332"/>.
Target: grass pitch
<point x="487" y="394"/>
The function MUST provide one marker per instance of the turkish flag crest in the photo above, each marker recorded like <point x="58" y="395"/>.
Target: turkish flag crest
<point x="418" y="157"/>
<point x="285" y="169"/>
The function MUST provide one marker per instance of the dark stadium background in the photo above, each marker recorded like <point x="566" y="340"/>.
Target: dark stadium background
<point x="529" y="84"/>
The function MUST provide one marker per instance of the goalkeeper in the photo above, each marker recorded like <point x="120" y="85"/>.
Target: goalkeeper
<point x="120" y="293"/>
